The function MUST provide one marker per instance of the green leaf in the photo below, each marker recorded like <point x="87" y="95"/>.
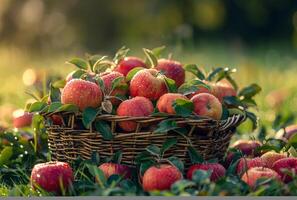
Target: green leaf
<point x="194" y="69"/>
<point x="92" y="59"/>
<point x="145" y="165"/>
<point x="68" y="108"/>
<point x="232" y="101"/>
<point x="154" y="150"/>
<point x="104" y="129"/>
<point x="117" y="157"/>
<point x="101" y="65"/>
<point x="201" y="176"/>
<point x="117" y="82"/>
<point x="168" y="144"/>
<point x="214" y="72"/>
<point x="100" y="82"/>
<point x="132" y="72"/>
<point x="78" y="74"/>
<point x="97" y="174"/>
<point x="54" y="107"/>
<point x="59" y="83"/>
<point x="177" y="163"/>
<point x="254" y="119"/>
<point x="158" y="51"/>
<point x="183" y="107"/>
<point x="250" y="91"/>
<point x="54" y="94"/>
<point x="180" y="186"/>
<point x="170" y="84"/>
<point x="194" y="156"/>
<point x="120" y="54"/>
<point x="37" y="107"/>
<point x="5" y="155"/>
<point x="165" y="126"/>
<point x="151" y="57"/>
<point x="293" y="141"/>
<point x="88" y="116"/>
<point x="80" y="63"/>
<point x="187" y="89"/>
<point x="95" y="158"/>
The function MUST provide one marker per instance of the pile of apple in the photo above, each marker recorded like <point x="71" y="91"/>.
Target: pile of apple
<point x="130" y="86"/>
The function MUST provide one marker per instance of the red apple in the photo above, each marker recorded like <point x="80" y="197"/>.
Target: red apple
<point x="269" y="158"/>
<point x="172" y="69"/>
<point x="160" y="177"/>
<point x="52" y="176"/>
<point x="217" y="170"/>
<point x="129" y="63"/>
<point x="200" y="90"/>
<point x="289" y="164"/>
<point x="247" y="147"/>
<point x="135" y="107"/>
<point x="21" y="118"/>
<point x="113" y="168"/>
<point x="255" y="173"/>
<point x="147" y="83"/>
<point x="287" y="132"/>
<point x="247" y="163"/>
<point x="107" y="79"/>
<point x="223" y="89"/>
<point x="165" y="102"/>
<point x="207" y="105"/>
<point x="82" y="94"/>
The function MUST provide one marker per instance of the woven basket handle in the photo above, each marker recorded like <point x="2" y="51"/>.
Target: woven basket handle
<point x="231" y="122"/>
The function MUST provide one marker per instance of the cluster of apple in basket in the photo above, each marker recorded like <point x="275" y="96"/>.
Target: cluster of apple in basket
<point x="252" y="167"/>
<point x="131" y="87"/>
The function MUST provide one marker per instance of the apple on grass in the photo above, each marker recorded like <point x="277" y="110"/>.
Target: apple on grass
<point x="217" y="170"/>
<point x="247" y="147"/>
<point x="52" y="176"/>
<point x="82" y="94"/>
<point x="21" y="118"/>
<point x="160" y="177"/>
<point x="129" y="63"/>
<point x="269" y="158"/>
<point x="172" y="69"/>
<point x="287" y="133"/>
<point x="207" y="105"/>
<point x="114" y="168"/>
<point x="255" y="173"/>
<point x="165" y="103"/>
<point x="286" y="167"/>
<point x="148" y="83"/>
<point x="135" y="107"/>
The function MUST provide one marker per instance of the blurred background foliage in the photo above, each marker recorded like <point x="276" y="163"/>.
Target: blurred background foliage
<point x="257" y="37"/>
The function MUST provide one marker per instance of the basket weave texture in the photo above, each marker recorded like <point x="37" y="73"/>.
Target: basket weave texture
<point x="209" y="137"/>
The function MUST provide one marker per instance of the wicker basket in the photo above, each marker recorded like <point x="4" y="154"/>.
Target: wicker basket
<point x="209" y="137"/>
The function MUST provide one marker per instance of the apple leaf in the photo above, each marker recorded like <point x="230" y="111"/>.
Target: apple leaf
<point x="154" y="150"/>
<point x="158" y="51"/>
<point x="151" y="57"/>
<point x="37" y="107"/>
<point x="5" y="155"/>
<point x="97" y="174"/>
<point x="88" y="116"/>
<point x="78" y="74"/>
<point x="54" y="106"/>
<point x="96" y="67"/>
<point x="170" y="84"/>
<point x="168" y="144"/>
<point x="145" y="165"/>
<point x="116" y="83"/>
<point x="166" y="125"/>
<point x="250" y="91"/>
<point x="92" y="59"/>
<point x="78" y="62"/>
<point x="54" y="94"/>
<point x="254" y="119"/>
<point x="183" y="107"/>
<point x="104" y="129"/>
<point x="187" y="89"/>
<point x="68" y="108"/>
<point x="214" y="73"/>
<point x="194" y="156"/>
<point x="132" y="72"/>
<point x="59" y="83"/>
<point x="194" y="69"/>
<point x="180" y="186"/>
<point x="292" y="141"/>
<point x="117" y="157"/>
<point x="107" y="106"/>
<point x="120" y="54"/>
<point x="177" y="163"/>
<point x="201" y="176"/>
<point x="95" y="158"/>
